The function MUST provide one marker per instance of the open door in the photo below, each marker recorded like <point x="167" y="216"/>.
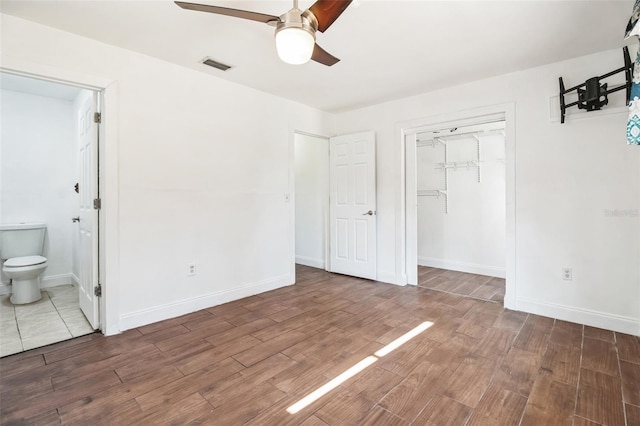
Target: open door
<point x="352" y="211"/>
<point x="88" y="191"/>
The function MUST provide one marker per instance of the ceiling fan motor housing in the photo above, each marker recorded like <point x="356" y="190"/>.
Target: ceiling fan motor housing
<point x="295" y="18"/>
<point x="296" y="36"/>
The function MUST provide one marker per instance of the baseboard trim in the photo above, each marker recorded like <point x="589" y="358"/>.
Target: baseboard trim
<point x="46" y="282"/>
<point x="186" y="306"/>
<point x="56" y="280"/>
<point x="310" y="261"/>
<point x="472" y="268"/>
<point x="581" y="316"/>
<point x="75" y="280"/>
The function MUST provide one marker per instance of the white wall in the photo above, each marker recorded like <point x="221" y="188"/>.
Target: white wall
<point x="568" y="176"/>
<point x="470" y="237"/>
<point x="204" y="166"/>
<point x="203" y="169"/>
<point x="311" y="199"/>
<point x="38" y="173"/>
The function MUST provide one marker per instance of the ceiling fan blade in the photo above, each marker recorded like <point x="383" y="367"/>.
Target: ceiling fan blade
<point x="323" y="57"/>
<point x="327" y="11"/>
<point x="236" y="13"/>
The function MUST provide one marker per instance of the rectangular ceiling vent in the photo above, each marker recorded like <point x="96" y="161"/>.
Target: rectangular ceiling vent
<point x="216" y="64"/>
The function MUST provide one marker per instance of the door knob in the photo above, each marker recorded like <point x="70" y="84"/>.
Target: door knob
<point x="75" y="219"/>
<point x="369" y="213"/>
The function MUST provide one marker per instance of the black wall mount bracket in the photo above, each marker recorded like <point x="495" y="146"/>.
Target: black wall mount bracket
<point x="592" y="95"/>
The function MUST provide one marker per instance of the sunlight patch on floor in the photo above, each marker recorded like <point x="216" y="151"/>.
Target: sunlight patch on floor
<point x="357" y="368"/>
<point x="403" y="339"/>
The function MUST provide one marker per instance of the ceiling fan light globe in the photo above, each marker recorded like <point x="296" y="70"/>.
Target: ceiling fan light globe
<point x="295" y="45"/>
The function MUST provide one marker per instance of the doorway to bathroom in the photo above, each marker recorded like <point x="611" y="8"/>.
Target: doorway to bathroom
<point x="49" y="174"/>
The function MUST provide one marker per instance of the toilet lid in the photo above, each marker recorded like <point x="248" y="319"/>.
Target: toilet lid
<point x="16" y="262"/>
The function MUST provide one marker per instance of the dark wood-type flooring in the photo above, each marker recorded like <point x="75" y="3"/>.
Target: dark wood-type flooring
<point x="470" y="285"/>
<point x="247" y="361"/>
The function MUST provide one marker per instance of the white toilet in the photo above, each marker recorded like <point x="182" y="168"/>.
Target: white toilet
<point x="21" y="247"/>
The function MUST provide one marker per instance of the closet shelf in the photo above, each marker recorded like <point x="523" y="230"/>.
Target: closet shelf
<point x="458" y="164"/>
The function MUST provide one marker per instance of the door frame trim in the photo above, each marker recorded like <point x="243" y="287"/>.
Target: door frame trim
<point x="408" y="174"/>
<point x="108" y="167"/>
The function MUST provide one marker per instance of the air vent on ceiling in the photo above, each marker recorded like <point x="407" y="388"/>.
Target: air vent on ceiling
<point x="216" y="64"/>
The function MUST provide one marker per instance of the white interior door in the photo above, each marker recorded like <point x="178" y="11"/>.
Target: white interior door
<point x="352" y="212"/>
<point x="88" y="191"/>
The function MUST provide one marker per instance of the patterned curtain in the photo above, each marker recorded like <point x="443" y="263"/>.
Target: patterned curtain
<point x="633" y="124"/>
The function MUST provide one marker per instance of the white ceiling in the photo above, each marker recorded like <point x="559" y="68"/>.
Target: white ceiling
<point x="389" y="49"/>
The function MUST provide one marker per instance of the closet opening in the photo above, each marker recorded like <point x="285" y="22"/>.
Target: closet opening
<point x="459" y="242"/>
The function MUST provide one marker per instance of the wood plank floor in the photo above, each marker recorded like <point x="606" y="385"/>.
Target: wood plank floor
<point x="471" y="285"/>
<point x="248" y="361"/>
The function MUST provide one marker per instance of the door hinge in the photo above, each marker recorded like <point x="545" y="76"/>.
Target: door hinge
<point x="97" y="117"/>
<point x="97" y="203"/>
<point x="97" y="290"/>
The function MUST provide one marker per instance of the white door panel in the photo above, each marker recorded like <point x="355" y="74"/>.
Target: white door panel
<point x="352" y="162"/>
<point x="88" y="187"/>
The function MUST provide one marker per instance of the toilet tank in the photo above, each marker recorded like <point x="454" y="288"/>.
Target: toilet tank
<point x="21" y="239"/>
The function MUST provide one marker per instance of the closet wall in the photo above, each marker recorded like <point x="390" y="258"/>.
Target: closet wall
<point x="461" y="199"/>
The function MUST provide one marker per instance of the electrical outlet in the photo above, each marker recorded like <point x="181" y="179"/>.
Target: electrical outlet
<point x="567" y="274"/>
<point x="191" y="269"/>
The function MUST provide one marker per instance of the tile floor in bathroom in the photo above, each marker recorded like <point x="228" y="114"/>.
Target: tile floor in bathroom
<point x="54" y="318"/>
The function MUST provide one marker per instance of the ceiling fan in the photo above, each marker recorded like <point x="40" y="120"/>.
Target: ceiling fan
<point x="295" y="29"/>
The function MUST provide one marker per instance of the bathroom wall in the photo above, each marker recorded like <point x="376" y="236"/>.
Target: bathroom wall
<point x="38" y="173"/>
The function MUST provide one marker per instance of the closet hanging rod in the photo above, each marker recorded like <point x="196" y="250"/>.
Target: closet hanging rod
<point x="431" y="193"/>
<point x="445" y="138"/>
